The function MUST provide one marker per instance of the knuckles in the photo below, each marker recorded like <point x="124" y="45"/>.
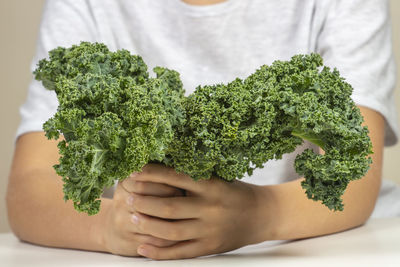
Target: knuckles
<point x="119" y="220"/>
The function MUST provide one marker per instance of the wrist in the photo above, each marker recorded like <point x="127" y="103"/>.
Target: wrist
<point x="265" y="215"/>
<point x="287" y="213"/>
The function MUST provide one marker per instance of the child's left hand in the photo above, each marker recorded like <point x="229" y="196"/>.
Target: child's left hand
<point x="215" y="216"/>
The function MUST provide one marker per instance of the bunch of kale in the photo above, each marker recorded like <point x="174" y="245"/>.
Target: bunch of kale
<point x="115" y="119"/>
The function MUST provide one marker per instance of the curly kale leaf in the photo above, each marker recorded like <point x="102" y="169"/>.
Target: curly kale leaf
<point x="232" y="129"/>
<point x="114" y="118"/>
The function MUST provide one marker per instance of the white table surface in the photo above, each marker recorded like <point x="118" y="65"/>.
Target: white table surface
<point x="377" y="243"/>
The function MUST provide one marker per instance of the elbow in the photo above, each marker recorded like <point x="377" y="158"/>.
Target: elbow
<point x="363" y="215"/>
<point x="363" y="207"/>
<point x="12" y="214"/>
<point x="369" y="208"/>
<point x="359" y="201"/>
<point x="16" y="212"/>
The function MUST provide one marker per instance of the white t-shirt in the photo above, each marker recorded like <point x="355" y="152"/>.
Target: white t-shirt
<point x="219" y="42"/>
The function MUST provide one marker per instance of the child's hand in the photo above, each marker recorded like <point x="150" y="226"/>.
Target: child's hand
<point x="120" y="235"/>
<point x="215" y="216"/>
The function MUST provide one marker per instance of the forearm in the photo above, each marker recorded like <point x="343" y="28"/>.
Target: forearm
<point x="36" y="210"/>
<point x="288" y="214"/>
<point x="38" y="214"/>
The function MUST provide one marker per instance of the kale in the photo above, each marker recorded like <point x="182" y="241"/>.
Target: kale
<point x="232" y="129"/>
<point x="115" y="119"/>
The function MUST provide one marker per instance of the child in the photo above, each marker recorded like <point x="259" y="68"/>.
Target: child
<point x="207" y="41"/>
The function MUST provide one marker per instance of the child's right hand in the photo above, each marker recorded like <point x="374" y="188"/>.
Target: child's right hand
<point x="121" y="236"/>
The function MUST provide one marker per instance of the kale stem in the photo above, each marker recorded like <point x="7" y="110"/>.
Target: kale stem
<point x="310" y="137"/>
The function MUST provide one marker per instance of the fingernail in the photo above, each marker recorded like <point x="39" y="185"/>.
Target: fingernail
<point x="133" y="174"/>
<point x="135" y="219"/>
<point x="129" y="200"/>
<point x="142" y="251"/>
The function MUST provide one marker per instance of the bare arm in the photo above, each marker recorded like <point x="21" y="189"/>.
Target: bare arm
<point x="36" y="209"/>
<point x="38" y="214"/>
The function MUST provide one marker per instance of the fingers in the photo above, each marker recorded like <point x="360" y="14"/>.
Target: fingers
<point x="121" y="195"/>
<point x="126" y="227"/>
<point x="150" y="189"/>
<point x="182" y="250"/>
<point x="122" y="234"/>
<point x="132" y="221"/>
<point x="158" y="173"/>
<point x="154" y="241"/>
<point x="170" y="230"/>
<point x="167" y="208"/>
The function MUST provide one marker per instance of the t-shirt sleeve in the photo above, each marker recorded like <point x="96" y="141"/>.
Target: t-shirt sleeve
<point x="64" y="22"/>
<point x="356" y="39"/>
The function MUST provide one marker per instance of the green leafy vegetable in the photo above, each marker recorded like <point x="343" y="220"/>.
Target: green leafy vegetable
<point x="232" y="129"/>
<point x="115" y="119"/>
